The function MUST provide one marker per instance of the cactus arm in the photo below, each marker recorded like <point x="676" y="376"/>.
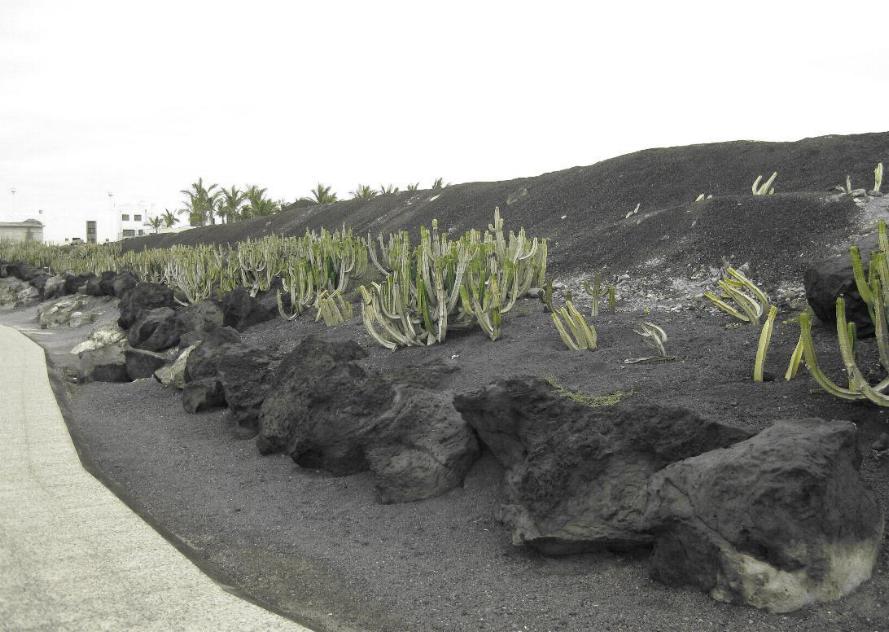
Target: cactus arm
<point x="765" y="337"/>
<point x="848" y="354"/>
<point x="811" y="359"/>
<point x="858" y="274"/>
<point x="725" y="307"/>
<point x="795" y="360"/>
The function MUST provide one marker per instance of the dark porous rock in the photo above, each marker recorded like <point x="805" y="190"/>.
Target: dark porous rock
<point x="173" y="375"/>
<point x="240" y="310"/>
<point x="25" y="272"/>
<point x="203" y="361"/>
<point x="155" y="330"/>
<point x="831" y="278"/>
<point x="53" y="287"/>
<point x="93" y="287"/>
<point x="142" y="298"/>
<point x="328" y="412"/>
<point x="244" y="373"/>
<point x="421" y="447"/>
<point x="106" y="282"/>
<point x="313" y="374"/>
<point x="107" y="364"/>
<point x="76" y="282"/>
<point x="39" y="281"/>
<point x="577" y="471"/>
<point x="204" y="394"/>
<point x="141" y="363"/>
<point x="198" y="319"/>
<point x="778" y="522"/>
<point x="122" y="283"/>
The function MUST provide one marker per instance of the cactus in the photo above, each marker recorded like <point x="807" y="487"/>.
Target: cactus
<point x="575" y="332"/>
<point x="766" y="187"/>
<point x="765" y="338"/>
<point x="655" y="337"/>
<point x="751" y="301"/>
<point x="878" y="177"/>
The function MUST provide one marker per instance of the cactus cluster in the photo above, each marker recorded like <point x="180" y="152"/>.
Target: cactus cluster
<point x="873" y="287"/>
<point x="441" y="284"/>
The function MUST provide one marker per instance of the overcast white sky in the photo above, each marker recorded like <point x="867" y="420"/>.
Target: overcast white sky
<point x="140" y="99"/>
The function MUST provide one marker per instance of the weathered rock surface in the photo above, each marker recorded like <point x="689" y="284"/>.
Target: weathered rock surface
<point x="11" y="288"/>
<point x="93" y="285"/>
<point x="244" y="374"/>
<point x="327" y="411"/>
<point x="203" y="394"/>
<point x="576" y="474"/>
<point x="101" y="337"/>
<point x="141" y="363"/>
<point x="174" y="374"/>
<point x="107" y="364"/>
<point x="155" y="330"/>
<point x="76" y="282"/>
<point x="779" y="521"/>
<point x="122" y="283"/>
<point x="198" y="319"/>
<point x="106" y="282"/>
<point x="831" y="278"/>
<point x="59" y="313"/>
<point x="203" y="361"/>
<point x="141" y="299"/>
<point x="240" y="310"/>
<point x="53" y="287"/>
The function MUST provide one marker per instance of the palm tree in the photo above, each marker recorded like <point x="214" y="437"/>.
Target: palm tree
<point x="155" y="223"/>
<point x="388" y="190"/>
<point x="201" y="203"/>
<point x="257" y="204"/>
<point x="230" y="204"/>
<point x="363" y="192"/>
<point x="439" y="184"/>
<point x="169" y="218"/>
<point x="322" y="195"/>
<point x="413" y="187"/>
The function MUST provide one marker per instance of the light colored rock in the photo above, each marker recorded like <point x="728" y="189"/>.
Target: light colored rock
<point x="101" y="337"/>
<point x="59" y="313"/>
<point x="174" y="374"/>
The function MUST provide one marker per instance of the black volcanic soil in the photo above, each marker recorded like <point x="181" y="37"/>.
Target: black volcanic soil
<point x="309" y="544"/>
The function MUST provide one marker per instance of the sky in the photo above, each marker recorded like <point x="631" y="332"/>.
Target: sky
<point x="140" y="99"/>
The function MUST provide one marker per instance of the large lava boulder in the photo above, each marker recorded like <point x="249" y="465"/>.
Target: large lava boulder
<point x="198" y="319"/>
<point x="244" y="373"/>
<point x="142" y="298"/>
<point x="122" y="283"/>
<point x="203" y="361"/>
<point x="106" y="282"/>
<point x="779" y="521"/>
<point x="75" y="282"/>
<point x="203" y="394"/>
<point x="328" y="412"/>
<point x="155" y="330"/>
<point x="107" y="364"/>
<point x="576" y="473"/>
<point x="831" y="278"/>
<point x="240" y="310"/>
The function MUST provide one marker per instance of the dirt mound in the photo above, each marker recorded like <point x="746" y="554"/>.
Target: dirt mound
<point x="583" y="210"/>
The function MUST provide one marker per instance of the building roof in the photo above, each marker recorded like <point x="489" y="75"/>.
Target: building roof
<point x="27" y="222"/>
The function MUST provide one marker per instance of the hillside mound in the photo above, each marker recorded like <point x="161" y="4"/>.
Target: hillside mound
<point x="583" y="211"/>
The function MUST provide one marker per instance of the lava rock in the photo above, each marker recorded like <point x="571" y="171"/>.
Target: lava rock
<point x="420" y="448"/>
<point x="141" y="363"/>
<point x="75" y="282"/>
<point x="203" y="361"/>
<point x="204" y="394"/>
<point x="240" y="310"/>
<point x="155" y="330"/>
<point x="576" y="473"/>
<point x="53" y="287"/>
<point x="777" y="522"/>
<point x="106" y="282"/>
<point x="142" y="298"/>
<point x="107" y="364"/>
<point x="198" y="319"/>
<point x="831" y="278"/>
<point x="328" y="412"/>
<point x="244" y="374"/>
<point x="122" y="284"/>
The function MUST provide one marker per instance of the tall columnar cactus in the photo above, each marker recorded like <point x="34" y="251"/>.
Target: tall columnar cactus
<point x="576" y="333"/>
<point x="878" y="177"/>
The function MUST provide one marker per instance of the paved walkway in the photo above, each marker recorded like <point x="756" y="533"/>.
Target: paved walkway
<point x="72" y="555"/>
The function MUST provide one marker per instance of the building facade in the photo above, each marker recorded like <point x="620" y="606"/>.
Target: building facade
<point x="132" y="222"/>
<point x="28" y="230"/>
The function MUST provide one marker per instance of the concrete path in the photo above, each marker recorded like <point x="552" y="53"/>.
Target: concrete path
<point x="72" y="555"/>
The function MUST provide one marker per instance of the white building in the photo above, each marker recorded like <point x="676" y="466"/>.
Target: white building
<point x="132" y="220"/>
